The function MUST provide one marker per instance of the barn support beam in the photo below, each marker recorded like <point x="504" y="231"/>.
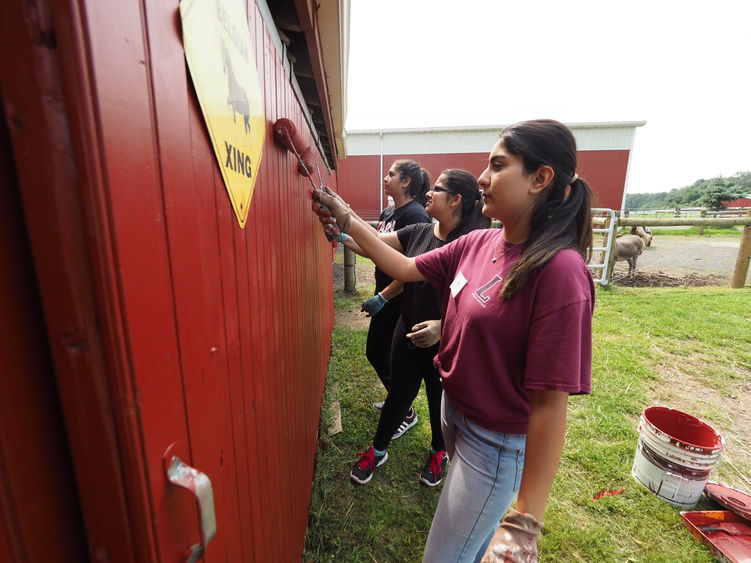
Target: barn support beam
<point x="349" y="271"/>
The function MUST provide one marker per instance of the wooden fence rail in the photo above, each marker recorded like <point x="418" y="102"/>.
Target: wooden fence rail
<point x="741" y="264"/>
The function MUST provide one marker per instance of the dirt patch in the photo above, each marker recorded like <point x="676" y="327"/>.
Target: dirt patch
<point x="685" y="392"/>
<point x="658" y="278"/>
<point x="682" y="261"/>
<point x="353" y="317"/>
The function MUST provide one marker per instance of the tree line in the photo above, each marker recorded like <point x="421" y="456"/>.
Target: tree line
<point x="702" y="193"/>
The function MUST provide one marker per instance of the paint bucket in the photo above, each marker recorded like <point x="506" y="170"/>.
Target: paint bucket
<point x="675" y="454"/>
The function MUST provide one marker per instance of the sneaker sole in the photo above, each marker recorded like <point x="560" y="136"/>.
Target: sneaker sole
<point x="429" y="484"/>
<point x="401" y="433"/>
<point x="362" y="482"/>
<point x="377" y="409"/>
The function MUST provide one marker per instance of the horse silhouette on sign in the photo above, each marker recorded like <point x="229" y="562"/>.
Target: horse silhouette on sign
<point x="237" y="98"/>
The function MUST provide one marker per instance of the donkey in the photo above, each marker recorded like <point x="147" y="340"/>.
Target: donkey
<point x="643" y="233"/>
<point x="629" y="247"/>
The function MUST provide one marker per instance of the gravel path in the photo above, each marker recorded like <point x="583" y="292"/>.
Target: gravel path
<point x="694" y="254"/>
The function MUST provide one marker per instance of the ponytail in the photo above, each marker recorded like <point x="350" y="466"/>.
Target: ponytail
<point x="556" y="225"/>
<point x="420" y="195"/>
<point x="561" y="215"/>
<point x="419" y="179"/>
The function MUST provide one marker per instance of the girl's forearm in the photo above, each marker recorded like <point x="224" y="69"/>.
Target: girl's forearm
<point x="545" y="437"/>
<point x="392" y="290"/>
<point x="389" y="260"/>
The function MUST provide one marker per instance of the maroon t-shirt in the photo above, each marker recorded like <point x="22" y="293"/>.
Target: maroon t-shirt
<point x="494" y="354"/>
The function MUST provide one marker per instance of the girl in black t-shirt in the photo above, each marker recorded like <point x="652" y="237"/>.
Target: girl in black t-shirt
<point x="455" y="204"/>
<point x="406" y="183"/>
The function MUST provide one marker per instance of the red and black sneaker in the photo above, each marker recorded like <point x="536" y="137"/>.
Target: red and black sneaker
<point x="363" y="470"/>
<point x="433" y="472"/>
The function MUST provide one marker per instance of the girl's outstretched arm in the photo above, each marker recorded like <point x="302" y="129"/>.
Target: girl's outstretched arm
<point x="388" y="259"/>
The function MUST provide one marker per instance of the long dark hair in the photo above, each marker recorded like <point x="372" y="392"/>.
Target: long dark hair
<point x="560" y="218"/>
<point x="463" y="183"/>
<point x="419" y="180"/>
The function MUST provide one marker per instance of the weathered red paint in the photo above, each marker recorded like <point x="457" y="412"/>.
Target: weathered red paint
<point x="166" y="321"/>
<point x="359" y="176"/>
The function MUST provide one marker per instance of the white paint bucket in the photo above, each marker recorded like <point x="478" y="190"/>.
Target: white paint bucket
<point x="675" y="454"/>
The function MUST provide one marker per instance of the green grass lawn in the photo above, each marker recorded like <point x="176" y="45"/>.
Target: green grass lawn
<point x="704" y="333"/>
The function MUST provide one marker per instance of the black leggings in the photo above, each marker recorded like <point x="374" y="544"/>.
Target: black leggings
<point x="380" y="333"/>
<point x="409" y="366"/>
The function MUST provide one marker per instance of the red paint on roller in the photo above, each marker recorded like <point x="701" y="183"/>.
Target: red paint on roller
<point x="684" y="427"/>
<point x="287" y="135"/>
<point x="307" y="162"/>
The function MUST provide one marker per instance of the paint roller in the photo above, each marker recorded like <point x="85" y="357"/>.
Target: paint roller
<point x="286" y="134"/>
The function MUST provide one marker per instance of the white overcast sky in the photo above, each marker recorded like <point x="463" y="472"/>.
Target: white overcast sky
<point x="682" y="66"/>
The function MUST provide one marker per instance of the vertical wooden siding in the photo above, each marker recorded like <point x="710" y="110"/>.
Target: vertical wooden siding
<point x="212" y="337"/>
<point x="40" y="518"/>
<point x="359" y="176"/>
<point x="252" y="308"/>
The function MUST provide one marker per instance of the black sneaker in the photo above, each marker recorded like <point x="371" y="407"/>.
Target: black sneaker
<point x="409" y="421"/>
<point x="363" y="470"/>
<point x="433" y="472"/>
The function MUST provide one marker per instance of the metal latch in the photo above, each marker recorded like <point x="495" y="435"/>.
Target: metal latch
<point x="199" y="484"/>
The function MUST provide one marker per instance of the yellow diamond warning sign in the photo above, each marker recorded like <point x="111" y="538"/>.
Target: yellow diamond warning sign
<point x="223" y="67"/>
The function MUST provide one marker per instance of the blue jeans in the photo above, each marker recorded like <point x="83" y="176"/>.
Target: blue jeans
<point x="483" y="479"/>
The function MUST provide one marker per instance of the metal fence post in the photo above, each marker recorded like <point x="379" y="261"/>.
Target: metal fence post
<point x="744" y="257"/>
<point x="349" y="271"/>
<point x="612" y="254"/>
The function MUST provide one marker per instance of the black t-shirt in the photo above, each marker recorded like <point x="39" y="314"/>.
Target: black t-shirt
<point x="391" y="220"/>
<point x="422" y="301"/>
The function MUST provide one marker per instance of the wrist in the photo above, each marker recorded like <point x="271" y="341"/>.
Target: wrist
<point x="522" y="521"/>
<point x="383" y="297"/>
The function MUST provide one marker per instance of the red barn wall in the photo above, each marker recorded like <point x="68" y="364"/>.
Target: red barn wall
<point x="360" y="184"/>
<point x="166" y="322"/>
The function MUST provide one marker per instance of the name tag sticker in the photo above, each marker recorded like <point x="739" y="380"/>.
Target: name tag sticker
<point x="459" y="282"/>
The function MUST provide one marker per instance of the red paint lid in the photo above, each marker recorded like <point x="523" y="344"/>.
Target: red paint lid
<point x="732" y="499"/>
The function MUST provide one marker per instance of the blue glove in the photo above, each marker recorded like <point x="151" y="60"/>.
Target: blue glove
<point x="374" y="304"/>
<point x="341" y="237"/>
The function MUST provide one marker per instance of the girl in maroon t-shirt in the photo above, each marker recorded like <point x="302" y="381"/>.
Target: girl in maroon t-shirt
<point x="516" y="340"/>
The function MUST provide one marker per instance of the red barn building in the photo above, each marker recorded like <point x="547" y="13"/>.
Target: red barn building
<point x="138" y="320"/>
<point x="741" y="202"/>
<point x="604" y="151"/>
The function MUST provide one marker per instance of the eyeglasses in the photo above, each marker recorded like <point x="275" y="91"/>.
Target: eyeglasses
<point x="438" y="189"/>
